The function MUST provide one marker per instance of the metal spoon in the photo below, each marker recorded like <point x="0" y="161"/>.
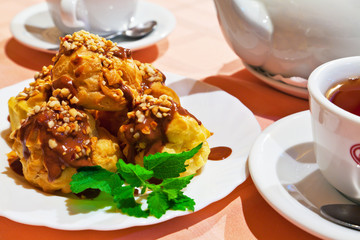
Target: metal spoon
<point x="138" y="31"/>
<point x="347" y="215"/>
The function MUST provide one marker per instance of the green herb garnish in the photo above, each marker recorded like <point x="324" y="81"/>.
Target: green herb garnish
<point x="121" y="185"/>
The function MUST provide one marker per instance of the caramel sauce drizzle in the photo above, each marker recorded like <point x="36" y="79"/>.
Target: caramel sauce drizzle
<point x="219" y="153"/>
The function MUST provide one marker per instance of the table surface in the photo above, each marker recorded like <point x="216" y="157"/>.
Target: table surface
<point x="196" y="49"/>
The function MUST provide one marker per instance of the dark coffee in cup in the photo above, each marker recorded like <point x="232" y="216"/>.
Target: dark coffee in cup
<point x="346" y="95"/>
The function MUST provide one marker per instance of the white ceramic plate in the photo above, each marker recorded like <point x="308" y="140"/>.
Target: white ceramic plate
<point x="292" y="89"/>
<point x="231" y="122"/>
<point x="34" y="27"/>
<point x="283" y="167"/>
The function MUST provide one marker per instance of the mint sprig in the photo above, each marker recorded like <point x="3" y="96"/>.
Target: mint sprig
<point x="122" y="184"/>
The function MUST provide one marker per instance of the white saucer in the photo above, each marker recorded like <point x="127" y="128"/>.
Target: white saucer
<point x="292" y="89"/>
<point x="283" y="167"/>
<point x="34" y="27"/>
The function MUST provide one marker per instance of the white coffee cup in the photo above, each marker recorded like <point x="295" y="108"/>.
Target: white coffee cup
<point x="95" y="16"/>
<point x="336" y="131"/>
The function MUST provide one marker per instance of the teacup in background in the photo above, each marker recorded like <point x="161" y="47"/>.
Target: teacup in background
<point x="336" y="131"/>
<point x="99" y="17"/>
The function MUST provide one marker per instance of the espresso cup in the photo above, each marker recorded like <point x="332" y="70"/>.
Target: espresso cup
<point x="99" y="17"/>
<point x="336" y="131"/>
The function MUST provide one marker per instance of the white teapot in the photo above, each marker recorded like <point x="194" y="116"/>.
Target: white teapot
<point x="290" y="37"/>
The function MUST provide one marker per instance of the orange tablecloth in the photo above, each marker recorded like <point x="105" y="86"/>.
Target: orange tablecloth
<point x="196" y="49"/>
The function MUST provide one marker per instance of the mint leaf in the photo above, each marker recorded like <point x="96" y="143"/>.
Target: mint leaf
<point x="167" y="165"/>
<point x="158" y="203"/>
<point x="176" y="183"/>
<point x="126" y="202"/>
<point x="136" y="212"/>
<point x="124" y="197"/>
<point x="173" y="186"/>
<point x="168" y="195"/>
<point x="97" y="178"/>
<point x="135" y="175"/>
<point x="183" y="203"/>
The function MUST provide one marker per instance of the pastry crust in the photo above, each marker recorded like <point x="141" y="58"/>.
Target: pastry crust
<point x="99" y="74"/>
<point x="162" y="125"/>
<point x="52" y="142"/>
<point x="51" y="149"/>
<point x="106" y="150"/>
<point x="37" y="93"/>
<point x="185" y="133"/>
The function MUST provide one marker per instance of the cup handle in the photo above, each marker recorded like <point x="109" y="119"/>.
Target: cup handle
<point x="255" y="14"/>
<point x="68" y="9"/>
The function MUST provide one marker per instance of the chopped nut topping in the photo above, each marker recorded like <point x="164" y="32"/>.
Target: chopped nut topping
<point x="159" y="115"/>
<point x="73" y="112"/>
<point x="54" y="103"/>
<point x="74" y="100"/>
<point x="142" y="145"/>
<point x="145" y="130"/>
<point x="148" y="106"/>
<point x="52" y="143"/>
<point x="149" y="72"/>
<point x="37" y="108"/>
<point x="56" y="92"/>
<point x="164" y="109"/>
<point x="140" y="116"/>
<point x="22" y="94"/>
<point x="65" y="92"/>
<point x="93" y="43"/>
<point x="51" y="124"/>
<point x="41" y="84"/>
<point x="77" y="149"/>
<point x="136" y="135"/>
<point x="159" y="107"/>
